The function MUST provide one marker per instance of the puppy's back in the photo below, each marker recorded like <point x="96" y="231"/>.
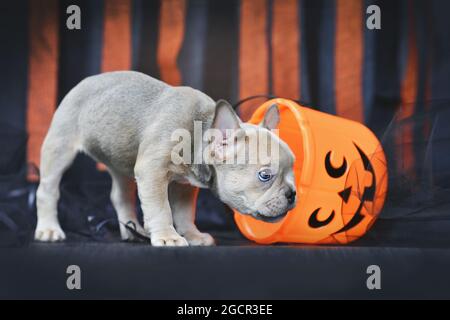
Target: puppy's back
<point x="109" y="114"/>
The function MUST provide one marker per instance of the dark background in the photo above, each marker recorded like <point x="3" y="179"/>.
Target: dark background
<point x="395" y="80"/>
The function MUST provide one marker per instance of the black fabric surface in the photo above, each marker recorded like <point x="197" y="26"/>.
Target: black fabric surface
<point x="413" y="256"/>
<point x="238" y="270"/>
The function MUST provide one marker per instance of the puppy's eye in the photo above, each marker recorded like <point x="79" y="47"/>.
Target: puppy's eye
<point x="265" y="175"/>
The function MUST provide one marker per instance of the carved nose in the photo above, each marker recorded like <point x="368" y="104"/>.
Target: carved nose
<point x="290" y="196"/>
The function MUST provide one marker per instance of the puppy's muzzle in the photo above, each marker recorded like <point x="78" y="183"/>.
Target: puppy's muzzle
<point x="290" y="196"/>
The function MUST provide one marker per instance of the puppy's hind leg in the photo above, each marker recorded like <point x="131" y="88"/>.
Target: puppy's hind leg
<point x="123" y="198"/>
<point x="57" y="154"/>
<point x="183" y="200"/>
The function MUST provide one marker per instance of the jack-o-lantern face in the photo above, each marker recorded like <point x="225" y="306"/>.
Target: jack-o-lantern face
<point x="341" y="179"/>
<point x="368" y="193"/>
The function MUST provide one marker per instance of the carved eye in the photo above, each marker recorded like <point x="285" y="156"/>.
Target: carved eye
<point x="333" y="171"/>
<point x="315" y="223"/>
<point x="265" y="175"/>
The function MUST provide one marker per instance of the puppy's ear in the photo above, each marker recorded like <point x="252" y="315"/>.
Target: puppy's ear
<point x="222" y="146"/>
<point x="225" y="117"/>
<point x="271" y="118"/>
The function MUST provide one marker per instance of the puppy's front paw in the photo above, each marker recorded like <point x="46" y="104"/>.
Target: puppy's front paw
<point x="50" y="233"/>
<point x="197" y="238"/>
<point x="167" y="237"/>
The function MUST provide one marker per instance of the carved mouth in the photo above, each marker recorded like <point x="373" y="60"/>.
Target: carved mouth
<point x="274" y="219"/>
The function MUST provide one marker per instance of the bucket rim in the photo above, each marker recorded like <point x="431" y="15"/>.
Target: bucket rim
<point x="305" y="176"/>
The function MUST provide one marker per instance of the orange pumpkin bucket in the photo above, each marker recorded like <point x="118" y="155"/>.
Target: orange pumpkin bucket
<point x="340" y="174"/>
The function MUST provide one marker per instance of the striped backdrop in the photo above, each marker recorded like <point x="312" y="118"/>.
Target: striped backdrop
<point x="318" y="51"/>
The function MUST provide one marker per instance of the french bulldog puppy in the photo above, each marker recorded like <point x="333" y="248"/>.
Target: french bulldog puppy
<point x="126" y="120"/>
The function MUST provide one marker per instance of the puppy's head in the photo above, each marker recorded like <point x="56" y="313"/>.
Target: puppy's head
<point x="254" y="173"/>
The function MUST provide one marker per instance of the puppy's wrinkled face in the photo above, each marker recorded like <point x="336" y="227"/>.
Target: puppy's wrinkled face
<point x="255" y="176"/>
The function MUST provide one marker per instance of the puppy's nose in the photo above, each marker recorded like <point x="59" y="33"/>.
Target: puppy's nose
<point x="290" y="196"/>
